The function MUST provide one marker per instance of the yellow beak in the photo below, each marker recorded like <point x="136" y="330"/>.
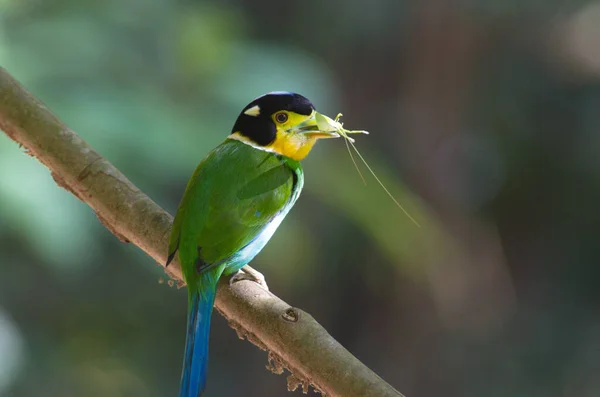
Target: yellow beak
<point x="318" y="126"/>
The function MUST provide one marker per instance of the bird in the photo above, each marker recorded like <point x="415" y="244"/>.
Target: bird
<point x="234" y="202"/>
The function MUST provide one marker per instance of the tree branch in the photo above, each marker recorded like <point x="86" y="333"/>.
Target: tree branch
<point x="294" y="340"/>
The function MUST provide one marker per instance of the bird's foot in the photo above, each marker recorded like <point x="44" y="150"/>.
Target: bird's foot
<point x="248" y="273"/>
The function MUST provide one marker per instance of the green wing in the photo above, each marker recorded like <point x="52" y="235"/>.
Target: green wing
<point x="234" y="193"/>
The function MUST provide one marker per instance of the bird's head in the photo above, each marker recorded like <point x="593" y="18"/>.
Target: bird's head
<point x="280" y="122"/>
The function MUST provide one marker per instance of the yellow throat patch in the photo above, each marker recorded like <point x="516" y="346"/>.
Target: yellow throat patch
<point x="294" y="146"/>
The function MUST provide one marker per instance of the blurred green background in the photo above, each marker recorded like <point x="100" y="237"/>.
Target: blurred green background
<point x="484" y="120"/>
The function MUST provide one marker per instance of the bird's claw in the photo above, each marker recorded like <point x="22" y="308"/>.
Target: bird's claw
<point x="248" y="273"/>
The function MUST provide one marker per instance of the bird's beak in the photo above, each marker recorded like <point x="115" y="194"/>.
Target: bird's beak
<point x="318" y="126"/>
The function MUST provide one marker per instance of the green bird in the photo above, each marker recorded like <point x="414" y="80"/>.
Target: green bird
<point x="234" y="202"/>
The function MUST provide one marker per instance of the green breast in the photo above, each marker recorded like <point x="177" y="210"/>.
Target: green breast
<point x="235" y="199"/>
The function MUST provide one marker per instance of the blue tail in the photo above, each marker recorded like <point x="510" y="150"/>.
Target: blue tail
<point x="195" y="361"/>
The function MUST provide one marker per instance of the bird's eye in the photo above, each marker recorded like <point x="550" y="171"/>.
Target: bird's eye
<point x="281" y="117"/>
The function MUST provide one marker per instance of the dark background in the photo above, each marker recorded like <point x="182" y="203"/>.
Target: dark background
<point x="484" y="120"/>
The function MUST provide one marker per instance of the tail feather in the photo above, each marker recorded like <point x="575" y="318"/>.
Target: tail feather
<point x="195" y="360"/>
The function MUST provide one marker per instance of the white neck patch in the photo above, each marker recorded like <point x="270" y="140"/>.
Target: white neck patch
<point x="239" y="137"/>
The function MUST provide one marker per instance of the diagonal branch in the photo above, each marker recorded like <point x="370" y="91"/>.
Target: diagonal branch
<point x="294" y="340"/>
